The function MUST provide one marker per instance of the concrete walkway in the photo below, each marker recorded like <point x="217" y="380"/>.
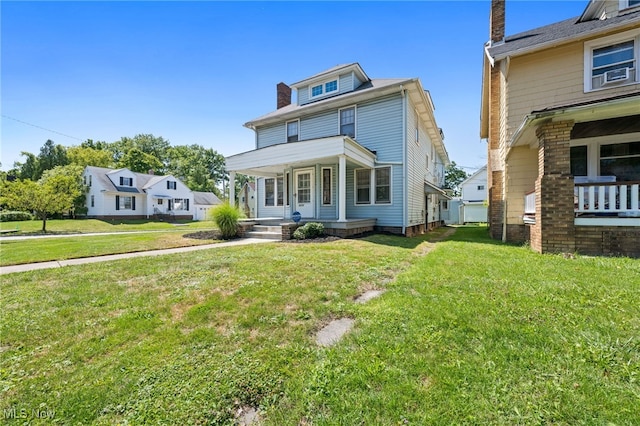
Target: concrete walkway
<point x="60" y="263"/>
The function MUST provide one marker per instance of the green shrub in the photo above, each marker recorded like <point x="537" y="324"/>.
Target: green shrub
<point x="226" y="218"/>
<point x="309" y="230"/>
<point x="12" y="216"/>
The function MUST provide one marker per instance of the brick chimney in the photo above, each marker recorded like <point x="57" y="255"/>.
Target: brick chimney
<point x="284" y="95"/>
<point x="496" y="23"/>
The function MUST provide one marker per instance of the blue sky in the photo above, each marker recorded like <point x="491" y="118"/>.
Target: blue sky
<point x="195" y="72"/>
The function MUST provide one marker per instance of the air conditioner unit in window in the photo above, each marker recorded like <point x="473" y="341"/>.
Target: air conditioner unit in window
<point x="616" y="75"/>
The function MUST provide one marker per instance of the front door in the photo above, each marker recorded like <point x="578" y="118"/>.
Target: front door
<point x="303" y="199"/>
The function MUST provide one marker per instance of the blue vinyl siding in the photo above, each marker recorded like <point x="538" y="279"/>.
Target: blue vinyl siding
<point x="262" y="210"/>
<point x="271" y="135"/>
<point x="386" y="214"/>
<point x="379" y="127"/>
<point x="319" y="125"/>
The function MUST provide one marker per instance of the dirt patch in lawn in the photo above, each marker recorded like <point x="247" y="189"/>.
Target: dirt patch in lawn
<point x="204" y="235"/>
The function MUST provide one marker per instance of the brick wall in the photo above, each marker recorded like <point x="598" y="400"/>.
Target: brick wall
<point x="554" y="231"/>
<point x="608" y="240"/>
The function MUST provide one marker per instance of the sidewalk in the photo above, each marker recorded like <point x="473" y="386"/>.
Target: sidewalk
<point x="60" y="263"/>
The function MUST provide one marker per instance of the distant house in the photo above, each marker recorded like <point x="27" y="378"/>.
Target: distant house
<point x="354" y="153"/>
<point x="203" y="202"/>
<point x="247" y="199"/>
<point x="561" y="113"/>
<point x="123" y="194"/>
<point x="474" y="197"/>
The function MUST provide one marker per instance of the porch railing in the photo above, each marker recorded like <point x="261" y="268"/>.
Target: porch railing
<point x="620" y="199"/>
<point x="530" y="203"/>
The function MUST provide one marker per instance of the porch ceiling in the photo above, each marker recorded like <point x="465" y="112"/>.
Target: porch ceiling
<point x="272" y="160"/>
<point x="607" y="109"/>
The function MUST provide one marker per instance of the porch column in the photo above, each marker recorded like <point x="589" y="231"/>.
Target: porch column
<point x="232" y="188"/>
<point x="554" y="231"/>
<point x="342" y="188"/>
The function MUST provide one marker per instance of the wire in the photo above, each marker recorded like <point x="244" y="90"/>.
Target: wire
<point x="43" y="128"/>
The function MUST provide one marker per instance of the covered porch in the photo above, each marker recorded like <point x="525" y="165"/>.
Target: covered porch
<point x="577" y="169"/>
<point x="309" y="177"/>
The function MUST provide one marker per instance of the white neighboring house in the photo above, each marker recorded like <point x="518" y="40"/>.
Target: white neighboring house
<point x="247" y="199"/>
<point x="474" y="197"/>
<point x="123" y="194"/>
<point x="203" y="202"/>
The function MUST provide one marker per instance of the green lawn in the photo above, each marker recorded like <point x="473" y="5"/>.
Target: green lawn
<point x="472" y="332"/>
<point x="94" y="225"/>
<point x="15" y="252"/>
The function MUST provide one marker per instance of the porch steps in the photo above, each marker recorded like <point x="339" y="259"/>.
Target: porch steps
<point x="266" y="232"/>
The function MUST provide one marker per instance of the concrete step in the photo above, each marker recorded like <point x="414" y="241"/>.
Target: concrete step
<point x="265" y="235"/>
<point x="267" y="228"/>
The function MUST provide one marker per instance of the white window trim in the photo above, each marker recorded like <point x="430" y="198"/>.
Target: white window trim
<point x="286" y="129"/>
<point x="322" y="185"/>
<point x="372" y="187"/>
<point x="416" y="117"/>
<point x="590" y="46"/>
<point x="324" y="88"/>
<point x="275" y="192"/>
<point x="122" y="203"/>
<point x="355" y="120"/>
<point x="593" y="148"/>
<point x="624" y="4"/>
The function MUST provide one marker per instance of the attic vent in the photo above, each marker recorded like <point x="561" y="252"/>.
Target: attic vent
<point x="613" y="76"/>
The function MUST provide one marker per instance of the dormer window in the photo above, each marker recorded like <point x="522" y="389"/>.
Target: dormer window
<point x="126" y="181"/>
<point x="172" y="184"/>
<point x="324" y="88"/>
<point x="611" y="61"/>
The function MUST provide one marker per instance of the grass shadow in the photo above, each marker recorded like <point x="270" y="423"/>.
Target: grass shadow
<point x="400" y="241"/>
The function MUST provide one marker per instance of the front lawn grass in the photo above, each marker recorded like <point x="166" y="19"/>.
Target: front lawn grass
<point x="82" y="226"/>
<point x="474" y="332"/>
<point x="16" y="252"/>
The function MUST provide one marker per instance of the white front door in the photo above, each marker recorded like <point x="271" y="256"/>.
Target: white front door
<point x="303" y="194"/>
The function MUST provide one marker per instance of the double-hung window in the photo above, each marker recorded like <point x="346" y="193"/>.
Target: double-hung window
<point x="172" y="184"/>
<point x="125" y="202"/>
<point x="274" y="192"/>
<point x="611" y="61"/>
<point x="348" y="122"/>
<point x="292" y="131"/>
<point x="126" y="181"/>
<point x="380" y="192"/>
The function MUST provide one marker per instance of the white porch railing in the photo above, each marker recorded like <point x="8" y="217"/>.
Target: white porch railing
<point x="530" y="203"/>
<point x="622" y="198"/>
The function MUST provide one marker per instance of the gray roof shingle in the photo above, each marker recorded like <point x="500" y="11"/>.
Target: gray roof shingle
<point x="568" y="29"/>
<point x="371" y="85"/>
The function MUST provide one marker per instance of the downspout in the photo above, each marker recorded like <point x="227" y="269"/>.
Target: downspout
<point x="504" y="207"/>
<point x="404" y="159"/>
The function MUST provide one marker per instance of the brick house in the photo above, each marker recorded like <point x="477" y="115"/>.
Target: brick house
<point x="561" y="114"/>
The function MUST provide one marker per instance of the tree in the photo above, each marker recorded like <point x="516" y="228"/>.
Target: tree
<point x="138" y="161"/>
<point x="51" y="155"/>
<point x="201" y="169"/>
<point x="147" y="143"/>
<point x="86" y="156"/>
<point x="453" y="177"/>
<point x="55" y="192"/>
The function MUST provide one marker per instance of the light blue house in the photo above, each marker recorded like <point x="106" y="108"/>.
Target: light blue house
<point x="354" y="153"/>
